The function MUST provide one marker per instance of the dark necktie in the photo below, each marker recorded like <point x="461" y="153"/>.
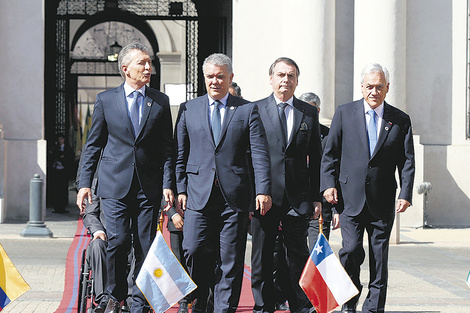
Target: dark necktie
<point x="134" y="111"/>
<point x="372" y="132"/>
<point x="215" y="122"/>
<point x="282" y="117"/>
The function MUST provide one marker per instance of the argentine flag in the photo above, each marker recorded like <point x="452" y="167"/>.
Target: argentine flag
<point x="162" y="279"/>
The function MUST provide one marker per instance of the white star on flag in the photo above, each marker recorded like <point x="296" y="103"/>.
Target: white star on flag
<point x="318" y="249"/>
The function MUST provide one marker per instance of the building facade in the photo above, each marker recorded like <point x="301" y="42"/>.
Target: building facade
<point x="423" y="43"/>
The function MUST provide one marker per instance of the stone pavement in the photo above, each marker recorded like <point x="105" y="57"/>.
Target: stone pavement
<point x="427" y="269"/>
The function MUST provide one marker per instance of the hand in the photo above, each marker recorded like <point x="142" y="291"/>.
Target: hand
<point x="169" y="198"/>
<point x="317" y="210"/>
<point x="402" y="205"/>
<point x="335" y="221"/>
<point x="331" y="195"/>
<point x="179" y="210"/>
<point x="263" y="203"/>
<point x="100" y="235"/>
<point x="182" y="200"/>
<point x="177" y="221"/>
<point x="82" y="195"/>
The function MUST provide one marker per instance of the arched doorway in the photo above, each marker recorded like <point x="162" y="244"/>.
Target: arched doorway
<point x="80" y="61"/>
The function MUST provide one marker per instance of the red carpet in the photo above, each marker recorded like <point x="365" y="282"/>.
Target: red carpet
<point x="246" y="297"/>
<point x="69" y="301"/>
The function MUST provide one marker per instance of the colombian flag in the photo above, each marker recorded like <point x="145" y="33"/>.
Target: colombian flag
<point x="324" y="280"/>
<point x="12" y="284"/>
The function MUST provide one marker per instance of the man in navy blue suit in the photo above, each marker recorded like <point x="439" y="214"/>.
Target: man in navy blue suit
<point x="131" y="137"/>
<point x="293" y="134"/>
<point x="369" y="140"/>
<point x="219" y="138"/>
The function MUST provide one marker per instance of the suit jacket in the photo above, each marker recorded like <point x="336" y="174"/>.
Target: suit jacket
<point x="92" y="219"/>
<point x="364" y="179"/>
<point x="111" y="136"/>
<point x="289" y="162"/>
<point x="199" y="161"/>
<point x="171" y="226"/>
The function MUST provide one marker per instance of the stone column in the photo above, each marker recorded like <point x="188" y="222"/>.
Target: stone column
<point x="317" y="37"/>
<point x="380" y="37"/>
<point x="22" y="109"/>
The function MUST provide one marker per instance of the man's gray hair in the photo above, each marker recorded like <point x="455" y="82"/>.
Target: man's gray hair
<point x="124" y="57"/>
<point x="218" y="59"/>
<point x="285" y="60"/>
<point x="310" y="98"/>
<point x="375" y="68"/>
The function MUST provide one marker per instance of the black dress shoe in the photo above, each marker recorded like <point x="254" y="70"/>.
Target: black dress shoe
<point x="281" y="307"/>
<point x="348" y="309"/>
<point x="101" y="307"/>
<point x="183" y="307"/>
<point x="113" y="306"/>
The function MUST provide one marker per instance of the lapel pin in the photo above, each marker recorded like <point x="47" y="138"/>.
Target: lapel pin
<point x="232" y="108"/>
<point x="386" y="127"/>
<point x="303" y="126"/>
<point x="149" y="104"/>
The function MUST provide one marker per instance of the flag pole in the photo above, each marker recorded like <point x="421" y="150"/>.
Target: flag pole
<point x="160" y="222"/>
<point x="320" y="223"/>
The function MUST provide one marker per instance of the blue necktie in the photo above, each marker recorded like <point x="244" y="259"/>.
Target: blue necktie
<point x="372" y="132"/>
<point x="134" y="111"/>
<point x="282" y="117"/>
<point x="215" y="122"/>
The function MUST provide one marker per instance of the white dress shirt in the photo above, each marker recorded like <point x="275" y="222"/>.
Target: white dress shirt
<point x="378" y="119"/>
<point x="221" y="109"/>
<point x="128" y="90"/>
<point x="288" y="111"/>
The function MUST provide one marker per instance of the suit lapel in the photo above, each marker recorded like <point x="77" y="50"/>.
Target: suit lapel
<point x="229" y="112"/>
<point x="146" y="107"/>
<point x="384" y="129"/>
<point x="203" y="115"/>
<point x="273" y="114"/>
<point x="122" y="107"/>
<point x="360" y="121"/>
<point x="298" y="115"/>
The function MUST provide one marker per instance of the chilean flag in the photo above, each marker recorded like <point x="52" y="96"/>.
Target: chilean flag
<point x="324" y="280"/>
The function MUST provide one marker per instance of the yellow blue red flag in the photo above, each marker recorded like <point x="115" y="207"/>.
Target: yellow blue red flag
<point x="162" y="279"/>
<point x="12" y="284"/>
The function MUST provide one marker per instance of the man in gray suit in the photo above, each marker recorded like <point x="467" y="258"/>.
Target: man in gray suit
<point x="215" y="186"/>
<point x="369" y="140"/>
<point x="132" y="137"/>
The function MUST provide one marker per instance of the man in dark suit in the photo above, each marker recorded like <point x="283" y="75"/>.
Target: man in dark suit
<point x="131" y="136"/>
<point x="369" y="141"/>
<point x="93" y="220"/>
<point x="293" y="134"/>
<point x="215" y="186"/>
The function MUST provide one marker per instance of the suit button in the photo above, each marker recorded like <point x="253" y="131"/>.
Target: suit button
<point x="370" y="166"/>
<point x="367" y="182"/>
<point x="135" y="148"/>
<point x="132" y="163"/>
<point x="213" y="169"/>
<point x="217" y="153"/>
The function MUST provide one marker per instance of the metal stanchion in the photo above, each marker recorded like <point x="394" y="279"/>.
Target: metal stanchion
<point x="425" y="188"/>
<point x="36" y="226"/>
